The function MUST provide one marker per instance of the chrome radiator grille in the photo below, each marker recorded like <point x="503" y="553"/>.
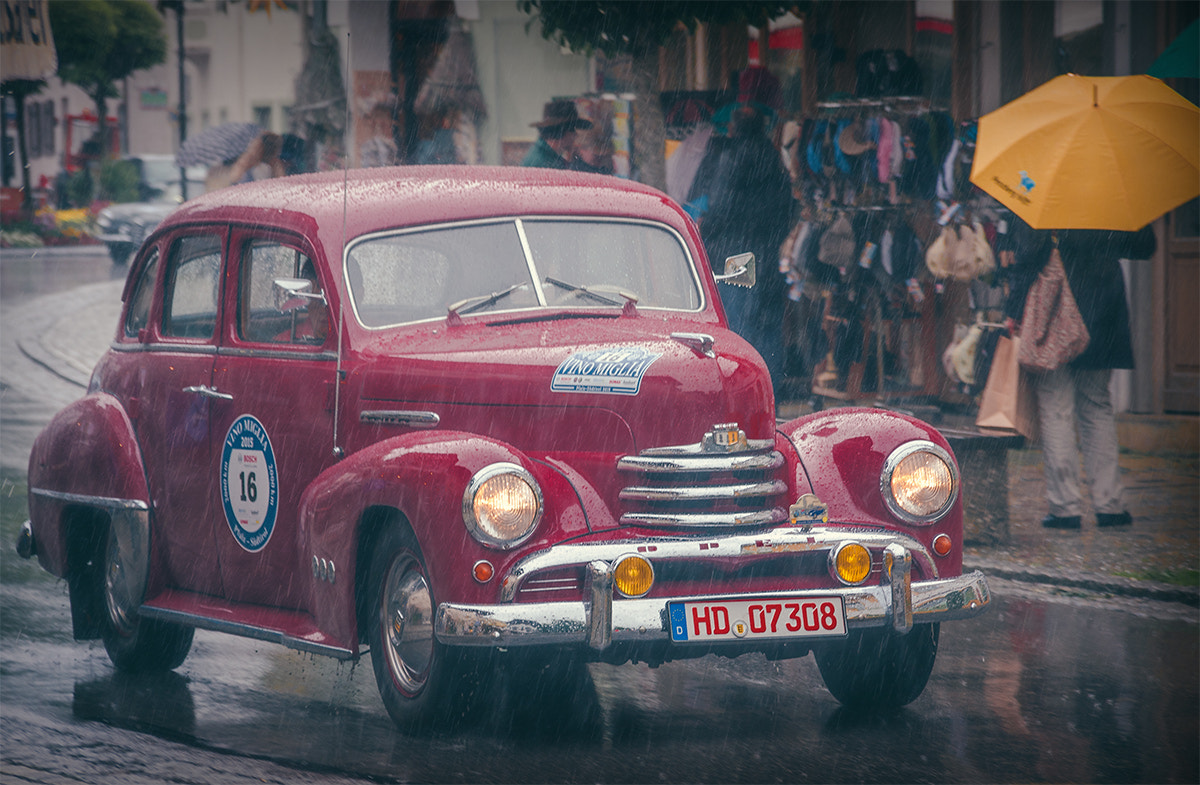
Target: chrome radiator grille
<point x="724" y="481"/>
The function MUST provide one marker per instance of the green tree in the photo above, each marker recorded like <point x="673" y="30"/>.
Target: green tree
<point x="617" y="27"/>
<point x="100" y="42"/>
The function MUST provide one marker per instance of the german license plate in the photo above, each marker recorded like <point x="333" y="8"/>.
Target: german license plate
<point x="769" y="617"/>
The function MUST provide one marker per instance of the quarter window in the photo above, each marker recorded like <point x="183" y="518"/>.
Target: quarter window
<point x="137" y="317"/>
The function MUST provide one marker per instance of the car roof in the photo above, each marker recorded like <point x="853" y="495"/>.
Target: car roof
<point x="388" y="197"/>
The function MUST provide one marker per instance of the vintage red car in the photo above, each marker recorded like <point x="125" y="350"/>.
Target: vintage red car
<point x="450" y="415"/>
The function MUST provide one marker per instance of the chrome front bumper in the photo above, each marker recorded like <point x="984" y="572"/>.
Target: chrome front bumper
<point x="600" y="620"/>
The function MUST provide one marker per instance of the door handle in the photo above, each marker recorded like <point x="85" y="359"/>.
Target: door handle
<point x="208" y="392"/>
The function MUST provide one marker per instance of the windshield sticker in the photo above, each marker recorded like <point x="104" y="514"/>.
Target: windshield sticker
<point x="612" y="370"/>
<point x="249" y="483"/>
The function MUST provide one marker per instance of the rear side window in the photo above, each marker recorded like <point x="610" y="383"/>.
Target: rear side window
<point x="137" y="318"/>
<point x="193" y="278"/>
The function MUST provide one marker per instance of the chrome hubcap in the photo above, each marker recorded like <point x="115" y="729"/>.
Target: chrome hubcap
<point x="406" y="615"/>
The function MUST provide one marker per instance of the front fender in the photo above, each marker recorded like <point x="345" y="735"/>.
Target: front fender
<point x="843" y="452"/>
<point x="421" y="475"/>
<point x="87" y="456"/>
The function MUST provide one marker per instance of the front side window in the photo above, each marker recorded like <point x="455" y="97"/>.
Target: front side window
<point x="519" y="264"/>
<point x="193" y="278"/>
<point x="305" y="321"/>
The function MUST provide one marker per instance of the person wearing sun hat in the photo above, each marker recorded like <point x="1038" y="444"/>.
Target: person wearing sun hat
<point x="555" y="147"/>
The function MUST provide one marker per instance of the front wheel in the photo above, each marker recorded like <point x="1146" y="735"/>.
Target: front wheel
<point x="135" y="644"/>
<point x="879" y="669"/>
<point x="422" y="683"/>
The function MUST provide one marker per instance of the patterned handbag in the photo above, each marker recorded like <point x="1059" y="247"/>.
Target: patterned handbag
<point x="1052" y="329"/>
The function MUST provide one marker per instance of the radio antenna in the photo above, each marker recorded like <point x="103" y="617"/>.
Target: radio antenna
<point x="338" y="452"/>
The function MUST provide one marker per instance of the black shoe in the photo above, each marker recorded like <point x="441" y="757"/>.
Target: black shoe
<point x="1061" y="522"/>
<point x="1113" y="519"/>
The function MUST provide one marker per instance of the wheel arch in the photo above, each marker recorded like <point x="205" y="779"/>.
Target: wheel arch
<point x="86" y="458"/>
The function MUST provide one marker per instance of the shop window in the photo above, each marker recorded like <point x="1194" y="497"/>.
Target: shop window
<point x="48" y="124"/>
<point x="933" y="49"/>
<point x="262" y="116"/>
<point x="1078" y="37"/>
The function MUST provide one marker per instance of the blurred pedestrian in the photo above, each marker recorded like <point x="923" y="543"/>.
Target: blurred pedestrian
<point x="1076" y="396"/>
<point x="744" y="199"/>
<point x="267" y="155"/>
<point x="557" y="130"/>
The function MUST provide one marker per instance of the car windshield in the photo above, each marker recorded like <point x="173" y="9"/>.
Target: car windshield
<point x="519" y="264"/>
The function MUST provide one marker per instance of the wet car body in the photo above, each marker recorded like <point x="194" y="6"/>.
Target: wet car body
<point x="516" y="422"/>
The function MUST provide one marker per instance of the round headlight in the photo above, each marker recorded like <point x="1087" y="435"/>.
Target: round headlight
<point x="502" y="505"/>
<point x="919" y="482"/>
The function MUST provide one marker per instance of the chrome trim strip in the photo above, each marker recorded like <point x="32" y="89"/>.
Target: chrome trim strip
<point x="412" y="419"/>
<point x="703" y="493"/>
<point x="695" y="450"/>
<point x="698" y="547"/>
<point x="706" y="520"/>
<point x="109" y="502"/>
<point x="244" y="631"/>
<point x="658" y="463"/>
<point x="645" y="621"/>
<point x="180" y="348"/>
<point x="279" y="354"/>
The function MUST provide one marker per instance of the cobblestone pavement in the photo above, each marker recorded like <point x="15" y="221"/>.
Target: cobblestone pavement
<point x="1157" y="557"/>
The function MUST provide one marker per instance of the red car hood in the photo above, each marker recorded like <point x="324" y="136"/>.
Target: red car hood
<point x="616" y="385"/>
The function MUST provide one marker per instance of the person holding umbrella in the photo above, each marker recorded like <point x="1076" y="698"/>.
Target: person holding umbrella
<point x="1085" y="164"/>
<point x="1076" y="396"/>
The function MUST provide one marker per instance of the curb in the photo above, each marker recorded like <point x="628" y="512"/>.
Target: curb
<point x="1103" y="584"/>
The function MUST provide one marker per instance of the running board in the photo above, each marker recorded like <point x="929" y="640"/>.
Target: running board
<point x="293" y="629"/>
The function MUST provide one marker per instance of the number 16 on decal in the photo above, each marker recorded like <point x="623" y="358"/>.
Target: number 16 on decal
<point x="767" y="617"/>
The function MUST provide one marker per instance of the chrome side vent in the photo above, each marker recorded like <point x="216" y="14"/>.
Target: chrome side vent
<point x="724" y="481"/>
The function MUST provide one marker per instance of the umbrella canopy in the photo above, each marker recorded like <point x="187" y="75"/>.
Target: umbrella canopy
<point x="216" y="145"/>
<point x="1091" y="153"/>
<point x="1182" y="57"/>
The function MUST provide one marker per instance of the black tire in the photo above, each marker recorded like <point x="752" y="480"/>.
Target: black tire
<point x="120" y="253"/>
<point x="423" y="684"/>
<point x="134" y="644"/>
<point x="879" y="669"/>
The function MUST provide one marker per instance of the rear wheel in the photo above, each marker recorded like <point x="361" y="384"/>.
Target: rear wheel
<point x="879" y="669"/>
<point x="422" y="683"/>
<point x="133" y="643"/>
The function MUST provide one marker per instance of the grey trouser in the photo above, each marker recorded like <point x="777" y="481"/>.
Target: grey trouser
<point x="1067" y="396"/>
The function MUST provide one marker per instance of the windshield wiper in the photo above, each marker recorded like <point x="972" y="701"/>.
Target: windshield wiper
<point x="472" y="304"/>
<point x="593" y="292"/>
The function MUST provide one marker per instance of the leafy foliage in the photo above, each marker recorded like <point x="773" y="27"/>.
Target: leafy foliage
<point x="616" y="26"/>
<point x="100" y="42"/>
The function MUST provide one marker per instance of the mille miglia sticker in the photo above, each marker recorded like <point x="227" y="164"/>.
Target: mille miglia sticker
<point x="613" y="370"/>
<point x="249" y="483"/>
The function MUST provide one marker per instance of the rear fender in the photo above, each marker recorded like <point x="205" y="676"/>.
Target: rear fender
<point x="87" y="458"/>
<point x="419" y="476"/>
<point x="843" y="452"/>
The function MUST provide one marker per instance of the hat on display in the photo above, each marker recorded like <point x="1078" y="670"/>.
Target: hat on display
<point x="853" y="139"/>
<point x="562" y="114"/>
<point x="758" y="85"/>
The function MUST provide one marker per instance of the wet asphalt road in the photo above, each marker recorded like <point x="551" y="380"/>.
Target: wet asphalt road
<point x="1047" y="687"/>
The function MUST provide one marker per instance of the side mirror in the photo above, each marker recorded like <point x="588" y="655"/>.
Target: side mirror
<point x="292" y="293"/>
<point x="739" y="270"/>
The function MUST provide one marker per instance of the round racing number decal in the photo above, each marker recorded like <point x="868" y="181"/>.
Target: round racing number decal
<point x="249" y="483"/>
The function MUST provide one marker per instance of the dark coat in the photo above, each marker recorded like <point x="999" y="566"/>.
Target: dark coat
<point x="1091" y="260"/>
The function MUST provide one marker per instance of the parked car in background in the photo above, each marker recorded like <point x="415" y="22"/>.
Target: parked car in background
<point x="482" y="417"/>
<point x="123" y="226"/>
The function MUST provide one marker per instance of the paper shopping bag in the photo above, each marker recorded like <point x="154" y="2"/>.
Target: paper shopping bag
<point x="1009" y="400"/>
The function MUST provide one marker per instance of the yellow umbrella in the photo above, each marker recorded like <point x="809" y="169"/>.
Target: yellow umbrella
<point x="1083" y="152"/>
